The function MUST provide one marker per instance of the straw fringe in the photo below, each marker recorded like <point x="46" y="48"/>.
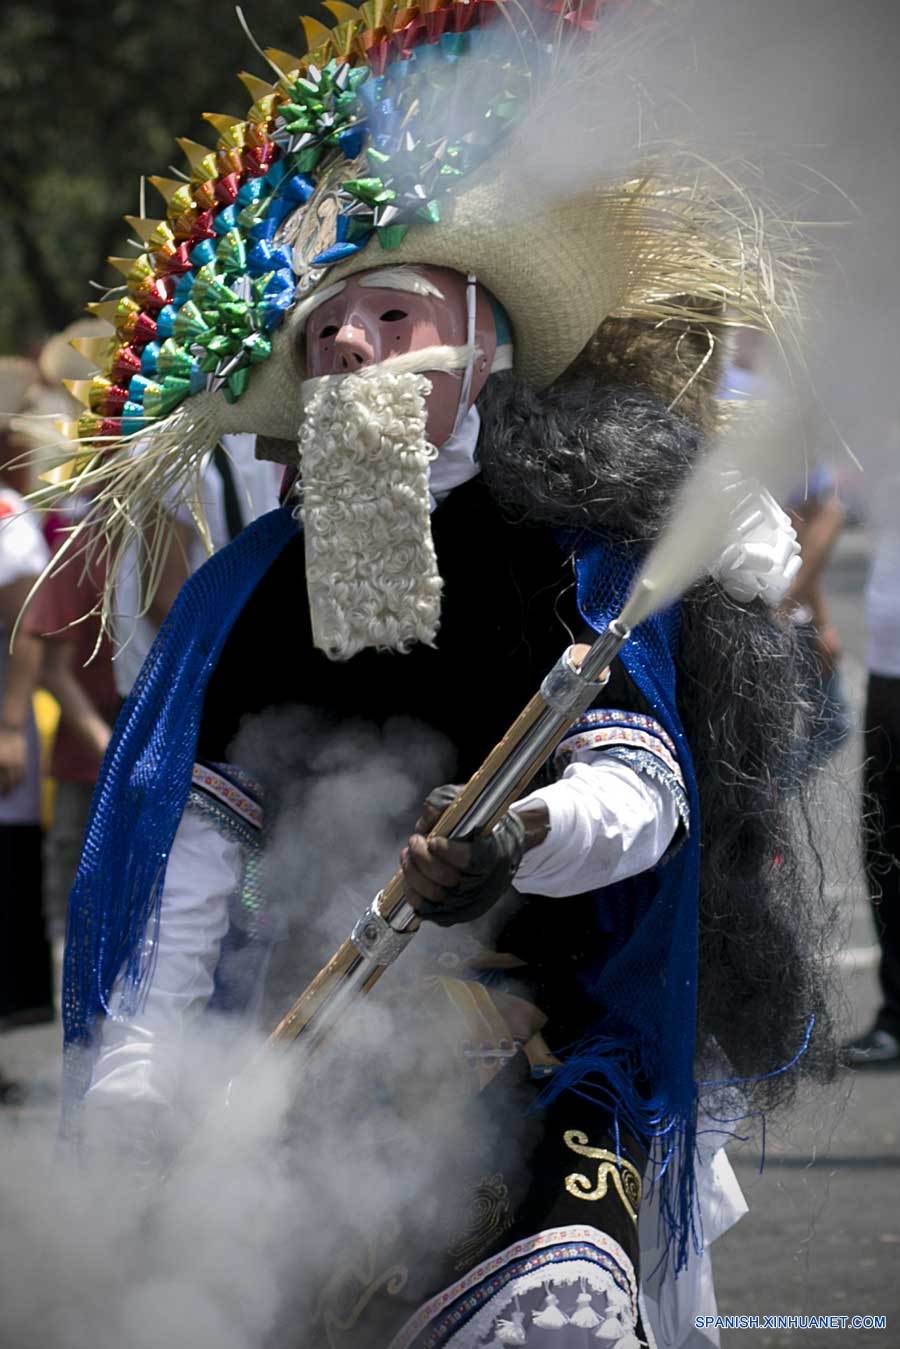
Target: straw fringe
<point x="132" y="485"/>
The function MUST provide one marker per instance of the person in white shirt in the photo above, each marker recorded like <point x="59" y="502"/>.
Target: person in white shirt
<point x="879" y="1045"/>
<point x="236" y="488"/>
<point x="26" y="989"/>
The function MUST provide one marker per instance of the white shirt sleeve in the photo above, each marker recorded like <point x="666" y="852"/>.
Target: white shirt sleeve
<point x="608" y="821"/>
<point x="139" y="1058"/>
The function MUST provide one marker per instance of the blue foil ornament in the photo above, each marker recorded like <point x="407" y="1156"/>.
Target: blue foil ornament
<point x="149" y="357"/>
<point x="264" y="229"/>
<point x="225" y="220"/>
<point x="252" y="191"/>
<point x="133" y="418"/>
<point x="267" y="257"/>
<point x="279" y="210"/>
<point x="352" y="140"/>
<point x="280" y="283"/>
<point x="275" y="307"/>
<point x="203" y="253"/>
<point x="165" y="322"/>
<point x="136" y="386"/>
<point x="335" y="253"/>
<point x="183" y="289"/>
<point x="276" y="173"/>
<point x="298" y="189"/>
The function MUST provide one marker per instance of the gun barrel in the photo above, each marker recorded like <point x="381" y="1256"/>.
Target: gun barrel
<point x="390" y="922"/>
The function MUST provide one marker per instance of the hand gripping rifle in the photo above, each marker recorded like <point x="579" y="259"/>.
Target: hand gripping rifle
<point x="389" y="923"/>
<point x="700" y="524"/>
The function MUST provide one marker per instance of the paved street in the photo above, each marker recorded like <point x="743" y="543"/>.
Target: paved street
<point x="823" y="1234"/>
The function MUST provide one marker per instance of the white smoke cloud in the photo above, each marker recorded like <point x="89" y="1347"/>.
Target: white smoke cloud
<point x="260" y="1200"/>
<point x="276" y="1185"/>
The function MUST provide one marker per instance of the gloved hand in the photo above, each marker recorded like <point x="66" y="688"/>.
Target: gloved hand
<point x="763" y="556"/>
<point x="456" y="880"/>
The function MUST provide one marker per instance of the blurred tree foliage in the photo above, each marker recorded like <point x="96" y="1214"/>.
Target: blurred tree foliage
<point x="93" y="95"/>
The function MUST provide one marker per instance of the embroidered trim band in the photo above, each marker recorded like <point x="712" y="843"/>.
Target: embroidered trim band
<point x="231" y="788"/>
<point x="563" y="1254"/>
<point x="601" y="729"/>
<point x="647" y="762"/>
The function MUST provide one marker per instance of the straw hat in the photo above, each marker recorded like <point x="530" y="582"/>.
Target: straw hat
<point x="557" y="273"/>
<point x="406" y="135"/>
<point x="59" y="360"/>
<point x="17" y="375"/>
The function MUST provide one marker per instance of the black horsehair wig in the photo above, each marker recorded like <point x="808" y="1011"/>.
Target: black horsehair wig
<point x="590" y="454"/>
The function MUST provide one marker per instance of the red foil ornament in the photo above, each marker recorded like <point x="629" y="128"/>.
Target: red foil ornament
<point x="377" y="54"/>
<point x="487" y="10"/>
<point x="144" y="330"/>
<point x="463" y="16"/>
<point x="125" y="364"/>
<point x="409" y="36"/>
<point x="203" y="228"/>
<point x="435" y="23"/>
<point x="115" y="400"/>
<point x="257" y="160"/>
<point x="227" y="188"/>
<point x="156" y="293"/>
<point x="179" y="262"/>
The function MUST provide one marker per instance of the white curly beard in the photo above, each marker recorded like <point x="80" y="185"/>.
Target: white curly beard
<point x="371" y="571"/>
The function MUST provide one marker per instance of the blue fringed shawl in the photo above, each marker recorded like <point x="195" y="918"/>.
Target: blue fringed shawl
<point x="639" y="1056"/>
<point x="142" y="790"/>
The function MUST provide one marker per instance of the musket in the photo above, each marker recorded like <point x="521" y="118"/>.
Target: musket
<point x="698" y="528"/>
<point x="390" y="922"/>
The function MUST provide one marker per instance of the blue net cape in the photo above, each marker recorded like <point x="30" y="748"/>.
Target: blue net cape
<point x="141" y="793"/>
<point x="638" y="1056"/>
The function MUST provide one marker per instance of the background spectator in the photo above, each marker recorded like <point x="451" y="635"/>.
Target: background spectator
<point x="880" y="1044"/>
<point x="236" y="488"/>
<point x="77" y="671"/>
<point x="818" y="518"/>
<point x="25" y="977"/>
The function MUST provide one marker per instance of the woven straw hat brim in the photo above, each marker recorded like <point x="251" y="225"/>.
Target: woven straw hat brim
<point x="557" y="268"/>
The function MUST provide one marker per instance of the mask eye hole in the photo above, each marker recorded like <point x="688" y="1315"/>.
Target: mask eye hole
<point x="393" y="315"/>
<point x="328" y="331"/>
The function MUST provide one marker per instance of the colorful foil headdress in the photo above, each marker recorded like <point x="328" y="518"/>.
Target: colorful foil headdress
<point x="348" y="131"/>
<point x="421" y="135"/>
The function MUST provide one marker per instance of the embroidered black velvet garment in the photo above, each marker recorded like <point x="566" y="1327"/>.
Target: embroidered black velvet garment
<point x="508" y="612"/>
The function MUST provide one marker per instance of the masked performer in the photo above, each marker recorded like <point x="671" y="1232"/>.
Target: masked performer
<point x="489" y="389"/>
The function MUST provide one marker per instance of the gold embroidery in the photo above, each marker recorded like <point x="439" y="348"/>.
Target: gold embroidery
<point x="490" y="1215"/>
<point x="625" y="1177"/>
<point x="356" y="1280"/>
